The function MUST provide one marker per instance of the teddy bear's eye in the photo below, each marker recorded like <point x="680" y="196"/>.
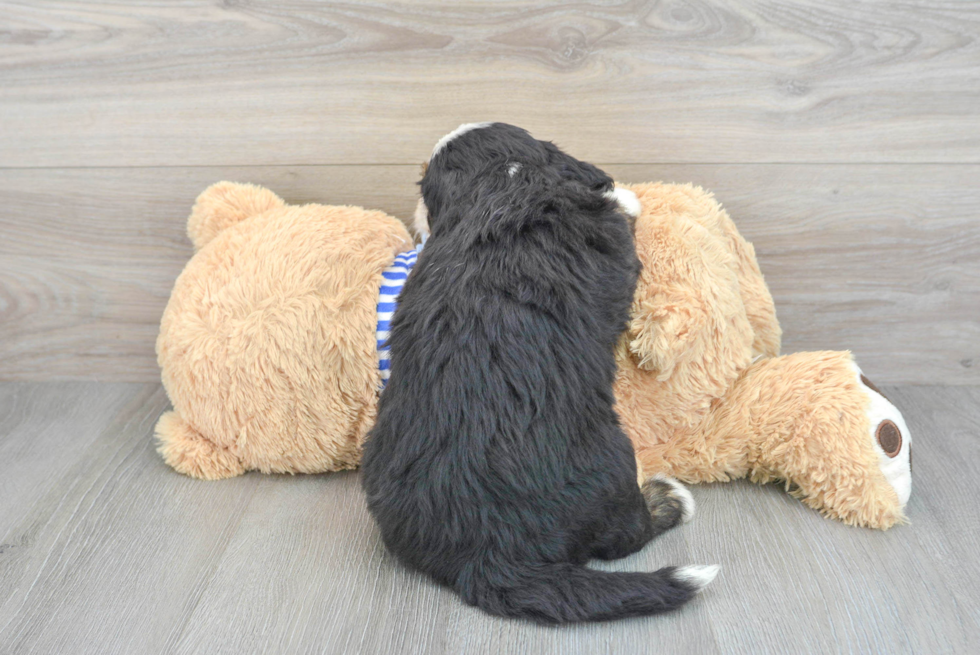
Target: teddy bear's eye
<point x="889" y="438"/>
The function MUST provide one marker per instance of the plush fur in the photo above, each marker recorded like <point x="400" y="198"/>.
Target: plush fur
<point x="700" y="387"/>
<point x="497" y="464"/>
<point x="704" y="395"/>
<point x="267" y="346"/>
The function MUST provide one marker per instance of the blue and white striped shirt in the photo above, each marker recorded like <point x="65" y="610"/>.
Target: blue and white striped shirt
<point x="393" y="279"/>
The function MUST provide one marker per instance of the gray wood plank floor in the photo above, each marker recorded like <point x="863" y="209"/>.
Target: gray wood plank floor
<point x="103" y="549"/>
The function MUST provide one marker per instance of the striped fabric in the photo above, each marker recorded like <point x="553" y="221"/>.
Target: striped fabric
<point x="393" y="279"/>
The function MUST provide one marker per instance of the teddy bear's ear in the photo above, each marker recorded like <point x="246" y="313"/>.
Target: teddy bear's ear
<point x="223" y="204"/>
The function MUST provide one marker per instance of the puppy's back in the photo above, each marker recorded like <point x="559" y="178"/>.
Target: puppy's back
<point x="497" y="458"/>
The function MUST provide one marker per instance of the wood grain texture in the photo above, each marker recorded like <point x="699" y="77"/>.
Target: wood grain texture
<point x="303" y="82"/>
<point x="843" y="137"/>
<point x="880" y="259"/>
<point x="112" y="558"/>
<point x="37" y="421"/>
<point x="116" y="553"/>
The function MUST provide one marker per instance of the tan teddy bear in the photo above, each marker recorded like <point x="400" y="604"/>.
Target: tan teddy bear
<point x="271" y="353"/>
<point x="704" y="396"/>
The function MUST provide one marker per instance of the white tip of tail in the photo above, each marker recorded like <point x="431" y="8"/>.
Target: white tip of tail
<point x="682" y="494"/>
<point x="697" y="576"/>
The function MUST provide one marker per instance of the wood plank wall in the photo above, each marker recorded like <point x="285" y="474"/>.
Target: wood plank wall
<point x="843" y="137"/>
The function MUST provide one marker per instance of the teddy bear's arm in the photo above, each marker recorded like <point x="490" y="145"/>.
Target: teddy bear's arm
<point x="664" y="325"/>
<point x="687" y="303"/>
<point x="759" y="307"/>
<point x="700" y="206"/>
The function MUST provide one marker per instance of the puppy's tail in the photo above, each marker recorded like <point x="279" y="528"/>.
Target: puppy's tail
<point x="565" y="593"/>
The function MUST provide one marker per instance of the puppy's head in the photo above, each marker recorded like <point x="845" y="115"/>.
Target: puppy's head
<point x="477" y="157"/>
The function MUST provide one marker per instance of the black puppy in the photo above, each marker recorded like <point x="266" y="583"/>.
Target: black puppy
<point x="497" y="464"/>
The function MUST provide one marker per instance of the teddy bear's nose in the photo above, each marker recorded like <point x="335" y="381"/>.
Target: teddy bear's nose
<point x="889" y="438"/>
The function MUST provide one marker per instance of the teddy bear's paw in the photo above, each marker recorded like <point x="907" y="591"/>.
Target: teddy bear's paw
<point x="668" y="501"/>
<point x="190" y="453"/>
<point x="890" y="437"/>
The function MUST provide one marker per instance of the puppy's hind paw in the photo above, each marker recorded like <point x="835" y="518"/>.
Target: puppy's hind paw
<point x="682" y="494"/>
<point x="668" y="501"/>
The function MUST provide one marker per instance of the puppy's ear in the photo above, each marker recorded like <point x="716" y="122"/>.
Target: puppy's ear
<point x="579" y="171"/>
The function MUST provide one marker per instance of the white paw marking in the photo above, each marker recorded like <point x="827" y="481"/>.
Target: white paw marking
<point x="682" y="494"/>
<point x="895" y="469"/>
<point x="462" y="129"/>
<point x="698" y="576"/>
<point x="627" y="200"/>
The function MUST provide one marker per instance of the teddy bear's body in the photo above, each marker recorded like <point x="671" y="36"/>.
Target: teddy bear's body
<point x="269" y="353"/>
<point x="267" y="346"/>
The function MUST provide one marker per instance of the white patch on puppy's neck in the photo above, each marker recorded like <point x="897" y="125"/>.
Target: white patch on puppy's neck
<point x="627" y="200"/>
<point x="462" y="129"/>
<point x="421" y="219"/>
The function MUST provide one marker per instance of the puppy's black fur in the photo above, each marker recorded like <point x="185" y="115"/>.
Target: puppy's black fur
<point x="497" y="464"/>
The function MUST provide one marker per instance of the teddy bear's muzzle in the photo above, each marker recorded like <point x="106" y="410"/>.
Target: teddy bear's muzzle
<point x="891" y="440"/>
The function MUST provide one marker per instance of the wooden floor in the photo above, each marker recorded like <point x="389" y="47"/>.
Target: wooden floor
<point x="843" y="137"/>
<point x="103" y="549"/>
